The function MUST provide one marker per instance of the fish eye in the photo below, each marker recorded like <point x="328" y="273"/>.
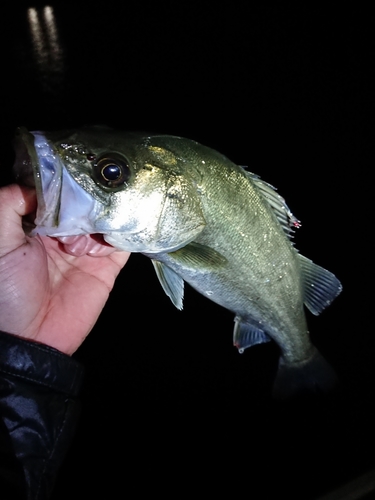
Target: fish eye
<point x="112" y="171"/>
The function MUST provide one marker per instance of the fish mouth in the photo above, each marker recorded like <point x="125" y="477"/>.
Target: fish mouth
<point x="63" y="207"/>
<point x="37" y="165"/>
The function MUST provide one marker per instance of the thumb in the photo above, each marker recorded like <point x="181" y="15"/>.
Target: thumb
<point x="15" y="202"/>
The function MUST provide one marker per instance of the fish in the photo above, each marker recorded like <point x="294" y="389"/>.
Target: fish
<point x="201" y="219"/>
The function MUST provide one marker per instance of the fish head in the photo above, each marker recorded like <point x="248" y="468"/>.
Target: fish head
<point x="128" y="187"/>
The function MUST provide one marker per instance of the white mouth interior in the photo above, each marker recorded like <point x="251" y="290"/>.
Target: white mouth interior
<point x="65" y="209"/>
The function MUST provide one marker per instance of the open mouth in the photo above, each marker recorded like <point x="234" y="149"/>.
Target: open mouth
<point x="36" y="165"/>
<point x="63" y="207"/>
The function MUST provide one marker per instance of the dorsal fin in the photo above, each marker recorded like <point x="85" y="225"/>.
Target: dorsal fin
<point x="321" y="287"/>
<point x="287" y="220"/>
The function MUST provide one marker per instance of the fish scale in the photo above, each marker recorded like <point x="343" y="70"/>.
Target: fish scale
<point x="255" y="276"/>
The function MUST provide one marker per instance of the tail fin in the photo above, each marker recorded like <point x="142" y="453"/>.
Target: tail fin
<point x="314" y="375"/>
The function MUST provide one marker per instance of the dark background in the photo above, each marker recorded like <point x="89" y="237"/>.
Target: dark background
<point x="169" y="406"/>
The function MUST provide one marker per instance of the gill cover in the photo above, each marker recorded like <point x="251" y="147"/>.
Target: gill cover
<point x="159" y="211"/>
<point x="173" y="178"/>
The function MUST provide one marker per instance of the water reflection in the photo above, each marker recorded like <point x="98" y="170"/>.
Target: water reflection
<point x="47" y="49"/>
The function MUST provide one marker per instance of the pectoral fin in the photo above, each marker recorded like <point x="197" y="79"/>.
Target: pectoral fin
<point x="321" y="287"/>
<point x="192" y="256"/>
<point x="172" y="283"/>
<point x="246" y="335"/>
<point x="199" y="257"/>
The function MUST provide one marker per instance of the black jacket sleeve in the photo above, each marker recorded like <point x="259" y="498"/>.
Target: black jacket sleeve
<point x="38" y="414"/>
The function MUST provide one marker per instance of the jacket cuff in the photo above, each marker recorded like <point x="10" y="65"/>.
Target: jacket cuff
<point x="40" y="364"/>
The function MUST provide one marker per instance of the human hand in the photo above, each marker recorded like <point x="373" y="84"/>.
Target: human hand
<point x="51" y="291"/>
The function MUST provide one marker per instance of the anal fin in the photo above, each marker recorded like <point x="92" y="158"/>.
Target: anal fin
<point x="246" y="335"/>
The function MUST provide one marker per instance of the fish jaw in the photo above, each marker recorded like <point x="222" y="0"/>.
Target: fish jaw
<point x="63" y="207"/>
